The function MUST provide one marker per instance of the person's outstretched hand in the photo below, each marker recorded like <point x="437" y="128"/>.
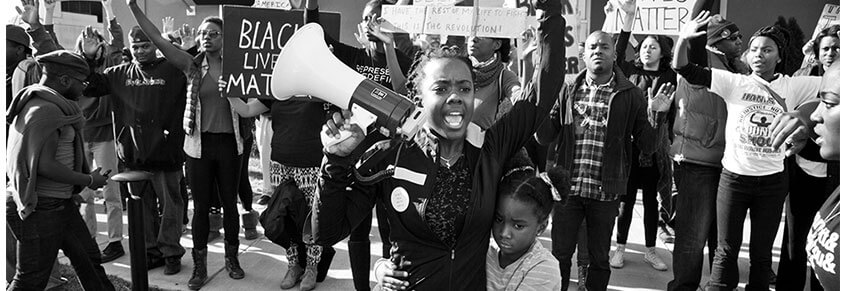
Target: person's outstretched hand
<point x="90" y="42"/>
<point x="791" y="129"/>
<point x="690" y="29"/>
<point x="29" y="12"/>
<point x="662" y="100"/>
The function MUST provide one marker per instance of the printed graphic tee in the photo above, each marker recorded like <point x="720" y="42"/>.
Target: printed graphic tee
<point x="751" y="109"/>
<point x="823" y="243"/>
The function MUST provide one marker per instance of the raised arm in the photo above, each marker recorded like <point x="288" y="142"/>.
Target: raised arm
<point x="397" y="78"/>
<point x="693" y="73"/>
<point x="628" y="8"/>
<point x="174" y="55"/>
<point x="42" y="42"/>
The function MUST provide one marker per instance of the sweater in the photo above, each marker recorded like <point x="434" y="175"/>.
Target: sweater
<point x="35" y="113"/>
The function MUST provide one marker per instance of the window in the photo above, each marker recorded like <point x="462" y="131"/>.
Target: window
<point x="84" y="7"/>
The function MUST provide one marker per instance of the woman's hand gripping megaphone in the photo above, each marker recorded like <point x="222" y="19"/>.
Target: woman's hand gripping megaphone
<point x="341" y="135"/>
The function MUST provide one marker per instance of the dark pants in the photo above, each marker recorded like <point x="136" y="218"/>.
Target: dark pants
<point x="163" y="214"/>
<point x="695" y="222"/>
<point x="244" y="188"/>
<point x="220" y="166"/>
<point x="646" y="179"/>
<point x="40" y="237"/>
<point x="763" y="196"/>
<point x="806" y="196"/>
<point x="600" y="217"/>
<point x="359" y="247"/>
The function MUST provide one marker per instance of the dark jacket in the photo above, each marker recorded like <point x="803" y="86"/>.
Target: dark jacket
<point x="700" y="115"/>
<point x="97" y="111"/>
<point x="626" y="118"/>
<point x="148" y="102"/>
<point x="345" y="202"/>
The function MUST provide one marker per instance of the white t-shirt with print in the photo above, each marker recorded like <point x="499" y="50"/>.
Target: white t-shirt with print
<point x="751" y="109"/>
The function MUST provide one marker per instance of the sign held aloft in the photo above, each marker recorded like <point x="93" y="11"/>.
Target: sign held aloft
<point x="453" y="20"/>
<point x="664" y="17"/>
<point x="254" y="37"/>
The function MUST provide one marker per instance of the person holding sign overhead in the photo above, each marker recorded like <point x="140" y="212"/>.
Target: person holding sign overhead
<point x="652" y="173"/>
<point x="753" y="176"/>
<point x="213" y="142"/>
<point x="441" y="199"/>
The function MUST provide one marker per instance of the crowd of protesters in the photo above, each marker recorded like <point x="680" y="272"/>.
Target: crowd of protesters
<point x="503" y="154"/>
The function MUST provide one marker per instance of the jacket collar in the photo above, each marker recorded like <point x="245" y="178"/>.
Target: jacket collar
<point x="622" y="83"/>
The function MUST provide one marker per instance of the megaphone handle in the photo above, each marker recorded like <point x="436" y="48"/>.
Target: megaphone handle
<point x="360" y="117"/>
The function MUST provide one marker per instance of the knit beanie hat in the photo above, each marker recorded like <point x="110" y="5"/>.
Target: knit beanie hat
<point x="776" y="33"/>
<point x="719" y="28"/>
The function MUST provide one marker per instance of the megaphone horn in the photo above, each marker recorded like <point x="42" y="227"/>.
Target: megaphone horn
<point x="307" y="67"/>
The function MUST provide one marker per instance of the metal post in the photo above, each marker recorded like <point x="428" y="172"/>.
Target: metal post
<point x="137" y="249"/>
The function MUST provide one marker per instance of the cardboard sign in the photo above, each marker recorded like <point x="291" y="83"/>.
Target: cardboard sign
<point x="830" y="16"/>
<point x="452" y="20"/>
<point x="664" y="17"/>
<point x="253" y="39"/>
<point x="275" y="4"/>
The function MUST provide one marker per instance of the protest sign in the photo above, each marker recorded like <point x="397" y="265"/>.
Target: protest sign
<point x="653" y="17"/>
<point x="452" y="20"/>
<point x="253" y="39"/>
<point x="830" y="16"/>
<point x="276" y="4"/>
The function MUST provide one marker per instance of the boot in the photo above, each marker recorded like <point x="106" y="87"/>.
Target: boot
<point x="309" y="278"/>
<point x="295" y="271"/>
<point x="200" y="273"/>
<point x="326" y="263"/>
<point x="359" y="262"/>
<point x="232" y="264"/>
<point x="215" y="223"/>
<point x="250" y="221"/>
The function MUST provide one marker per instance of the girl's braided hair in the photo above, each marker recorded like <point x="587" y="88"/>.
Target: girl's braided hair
<point x="522" y="184"/>
<point x="415" y="73"/>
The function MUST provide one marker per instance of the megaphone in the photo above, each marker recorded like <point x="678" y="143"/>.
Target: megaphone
<point x="307" y="67"/>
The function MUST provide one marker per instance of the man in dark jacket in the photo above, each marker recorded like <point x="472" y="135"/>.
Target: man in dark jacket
<point x="148" y="99"/>
<point x="592" y="124"/>
<point x="697" y="148"/>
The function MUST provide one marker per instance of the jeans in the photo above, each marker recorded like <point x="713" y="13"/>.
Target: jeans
<point x="218" y="167"/>
<point x="102" y="155"/>
<point x="264" y="136"/>
<point x="583" y="258"/>
<point x="806" y="196"/>
<point x="566" y="220"/>
<point x="162" y="214"/>
<point x="695" y="222"/>
<point x="41" y="236"/>
<point x="646" y="179"/>
<point x="763" y="196"/>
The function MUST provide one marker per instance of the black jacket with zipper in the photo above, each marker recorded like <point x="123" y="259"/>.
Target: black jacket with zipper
<point x="345" y="202"/>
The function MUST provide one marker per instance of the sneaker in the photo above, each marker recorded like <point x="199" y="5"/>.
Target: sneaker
<point x="112" y="251"/>
<point x="654" y="260"/>
<point x="264" y="200"/>
<point x="172" y="265"/>
<point x="617" y="258"/>
<point x="582" y="277"/>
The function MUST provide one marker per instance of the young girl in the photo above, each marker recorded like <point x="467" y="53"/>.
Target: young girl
<point x="518" y="261"/>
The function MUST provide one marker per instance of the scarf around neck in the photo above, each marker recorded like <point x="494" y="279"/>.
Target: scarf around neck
<point x="486" y="71"/>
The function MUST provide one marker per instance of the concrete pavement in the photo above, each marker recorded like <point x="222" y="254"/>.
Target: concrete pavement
<point x="265" y="264"/>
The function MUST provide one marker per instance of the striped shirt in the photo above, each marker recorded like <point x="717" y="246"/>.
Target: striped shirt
<point x="536" y="270"/>
<point x="590" y="108"/>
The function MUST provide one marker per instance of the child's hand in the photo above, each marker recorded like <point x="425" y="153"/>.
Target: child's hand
<point x="389" y="277"/>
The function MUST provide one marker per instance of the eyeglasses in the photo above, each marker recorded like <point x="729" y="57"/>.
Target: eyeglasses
<point x="734" y="36"/>
<point x="209" y="33"/>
